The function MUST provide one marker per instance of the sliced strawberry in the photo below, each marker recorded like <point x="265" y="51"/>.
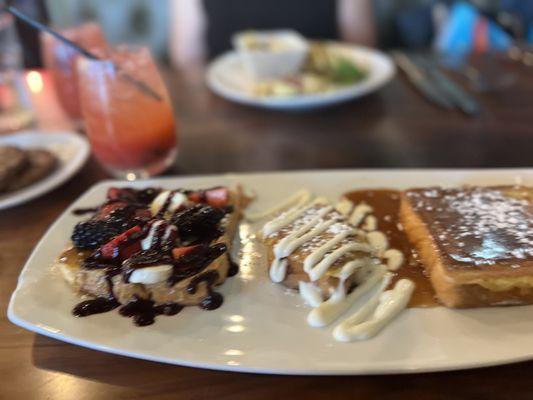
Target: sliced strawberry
<point x="109" y="208"/>
<point x="117" y="193"/>
<point x="129" y="250"/>
<point x="196" y="197"/>
<point x="143" y="213"/>
<point x="178" y="252"/>
<point x="121" y="245"/>
<point x="217" y="197"/>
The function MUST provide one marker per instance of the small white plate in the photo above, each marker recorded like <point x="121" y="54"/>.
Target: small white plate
<point x="261" y="327"/>
<point x="226" y="76"/>
<point x="70" y="148"/>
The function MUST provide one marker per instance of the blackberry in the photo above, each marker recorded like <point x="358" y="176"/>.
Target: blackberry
<point x="121" y="218"/>
<point x="199" y="222"/>
<point x="92" y="234"/>
<point x="146" y="196"/>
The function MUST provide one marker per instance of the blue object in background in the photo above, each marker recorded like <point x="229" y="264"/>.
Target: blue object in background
<point x="457" y="36"/>
<point x="523" y="11"/>
<point x="499" y="40"/>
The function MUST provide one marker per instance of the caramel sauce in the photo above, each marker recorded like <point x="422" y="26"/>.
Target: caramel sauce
<point x="386" y="205"/>
<point x="74" y="256"/>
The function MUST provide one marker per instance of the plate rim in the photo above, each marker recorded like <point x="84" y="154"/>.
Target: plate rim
<point x="368" y="370"/>
<point x="306" y="101"/>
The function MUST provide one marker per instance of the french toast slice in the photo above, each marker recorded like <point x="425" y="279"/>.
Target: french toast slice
<point x="476" y="243"/>
<point x="98" y="283"/>
<point x="327" y="233"/>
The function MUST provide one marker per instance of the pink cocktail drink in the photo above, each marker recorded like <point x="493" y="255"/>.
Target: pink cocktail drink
<point x="127" y="112"/>
<point x="60" y="60"/>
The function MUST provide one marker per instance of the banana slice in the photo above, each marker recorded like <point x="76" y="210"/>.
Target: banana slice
<point x="149" y="275"/>
<point x="177" y="200"/>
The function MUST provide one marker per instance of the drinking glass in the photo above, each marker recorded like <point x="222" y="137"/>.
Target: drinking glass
<point x="60" y="60"/>
<point x="127" y="112"/>
<point x="15" y="105"/>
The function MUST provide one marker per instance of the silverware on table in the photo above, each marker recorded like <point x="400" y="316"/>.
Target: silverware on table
<point x="419" y="79"/>
<point x="426" y="76"/>
<point x="459" y="97"/>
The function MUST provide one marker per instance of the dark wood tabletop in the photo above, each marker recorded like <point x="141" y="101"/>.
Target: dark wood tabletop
<point x="392" y="128"/>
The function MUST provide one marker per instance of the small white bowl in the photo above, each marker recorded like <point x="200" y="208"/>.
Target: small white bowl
<point x="271" y="54"/>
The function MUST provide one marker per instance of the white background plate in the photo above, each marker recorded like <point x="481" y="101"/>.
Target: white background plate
<point x="262" y="328"/>
<point x="226" y="77"/>
<point x="71" y="149"/>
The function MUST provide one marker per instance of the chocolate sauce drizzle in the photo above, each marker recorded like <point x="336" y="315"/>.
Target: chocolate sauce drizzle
<point x="214" y="299"/>
<point x="83" y="211"/>
<point x="100" y="304"/>
<point x="166" y="204"/>
<point x="95" y="306"/>
<point x="198" y="224"/>
<point x="144" y="311"/>
<point x="233" y="266"/>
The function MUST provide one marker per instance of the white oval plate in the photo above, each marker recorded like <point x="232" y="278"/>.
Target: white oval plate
<point x="70" y="148"/>
<point x="261" y="327"/>
<point x="226" y="77"/>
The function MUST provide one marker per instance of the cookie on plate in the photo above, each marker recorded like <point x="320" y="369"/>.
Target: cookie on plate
<point x="40" y="164"/>
<point x="12" y="161"/>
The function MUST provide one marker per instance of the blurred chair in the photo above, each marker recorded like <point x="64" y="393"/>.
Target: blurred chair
<point x="202" y="29"/>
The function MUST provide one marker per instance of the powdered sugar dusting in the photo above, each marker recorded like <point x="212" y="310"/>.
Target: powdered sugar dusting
<point x="479" y="225"/>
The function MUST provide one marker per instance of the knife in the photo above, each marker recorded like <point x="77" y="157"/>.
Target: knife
<point x="451" y="90"/>
<point x="420" y="81"/>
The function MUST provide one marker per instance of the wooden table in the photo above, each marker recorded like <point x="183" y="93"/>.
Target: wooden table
<point x="392" y="128"/>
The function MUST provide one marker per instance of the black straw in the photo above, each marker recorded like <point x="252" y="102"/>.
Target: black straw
<point x="142" y="86"/>
<point x="41" y="27"/>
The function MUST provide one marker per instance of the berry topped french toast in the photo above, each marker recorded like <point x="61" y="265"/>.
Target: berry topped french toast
<point x="153" y="251"/>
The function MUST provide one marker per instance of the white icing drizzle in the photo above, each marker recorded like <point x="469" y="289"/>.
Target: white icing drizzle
<point x="359" y="213"/>
<point x="288" y="244"/>
<point x="370" y="319"/>
<point x="320" y="269"/>
<point x="370" y="224"/>
<point x="339" y="302"/>
<point x="298" y="199"/>
<point x="288" y="217"/>
<point x="344" y="207"/>
<point x="146" y="243"/>
<point x="378" y="241"/>
<point x="350" y="267"/>
<point x="310" y="293"/>
<point x="278" y="270"/>
<point x="394" y="258"/>
<point x="319" y="253"/>
<point x="168" y="231"/>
